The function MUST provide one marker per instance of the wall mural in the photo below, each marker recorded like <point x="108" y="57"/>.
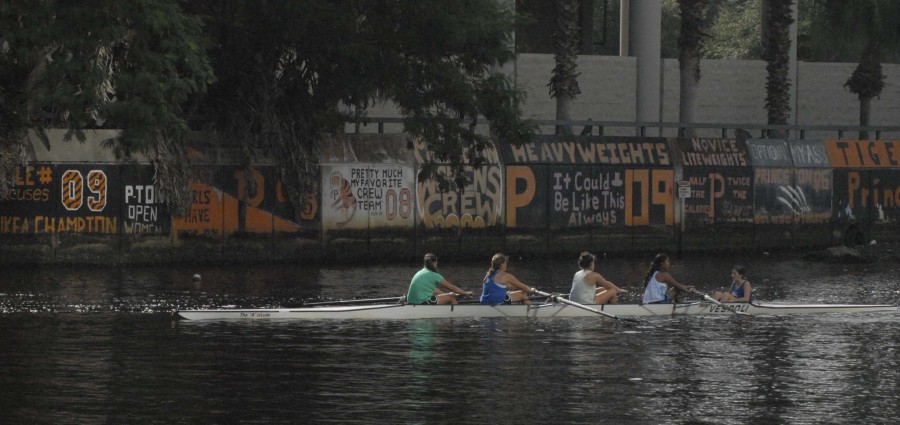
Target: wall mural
<point x="71" y="198"/>
<point x="363" y="196"/>
<point x="582" y="196"/>
<point x="587" y="196"/>
<point x="477" y="207"/>
<point x="588" y="182"/>
<point x="720" y="178"/>
<point x="787" y="194"/>
<point x="865" y="186"/>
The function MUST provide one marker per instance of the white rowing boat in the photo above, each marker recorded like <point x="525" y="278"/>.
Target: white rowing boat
<point x="553" y="309"/>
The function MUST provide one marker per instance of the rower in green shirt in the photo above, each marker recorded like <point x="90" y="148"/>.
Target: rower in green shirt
<point x="423" y="289"/>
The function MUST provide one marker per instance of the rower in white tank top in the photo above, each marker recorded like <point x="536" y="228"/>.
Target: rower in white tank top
<point x="582" y="292"/>
<point x="590" y="287"/>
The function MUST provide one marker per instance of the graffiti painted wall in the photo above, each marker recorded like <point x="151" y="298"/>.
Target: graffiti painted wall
<point x="785" y="194"/>
<point x="721" y="180"/>
<point x="548" y="193"/>
<point x="479" y="206"/>
<point x="866" y="179"/>
<point x="589" y="182"/>
<point x="108" y="199"/>
<point x="70" y="199"/>
<point x="218" y="195"/>
<point x="363" y="196"/>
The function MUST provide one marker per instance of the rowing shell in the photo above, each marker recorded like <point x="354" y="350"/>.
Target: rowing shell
<point x="412" y="311"/>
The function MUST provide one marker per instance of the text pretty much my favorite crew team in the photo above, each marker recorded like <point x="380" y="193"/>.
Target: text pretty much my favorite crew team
<point x="588" y="286"/>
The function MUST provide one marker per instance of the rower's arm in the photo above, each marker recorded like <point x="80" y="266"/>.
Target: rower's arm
<point x="518" y="284"/>
<point x="667" y="278"/>
<point x="454" y="288"/>
<point x="748" y="290"/>
<point x="607" y="284"/>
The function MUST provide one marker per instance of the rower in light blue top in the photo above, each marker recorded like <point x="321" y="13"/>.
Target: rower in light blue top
<point x="590" y="287"/>
<point x="740" y="291"/>
<point x="501" y="287"/>
<point x="659" y="285"/>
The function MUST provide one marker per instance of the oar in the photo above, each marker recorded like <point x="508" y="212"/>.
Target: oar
<point x="583" y="307"/>
<point x="359" y="301"/>
<point x="726" y="307"/>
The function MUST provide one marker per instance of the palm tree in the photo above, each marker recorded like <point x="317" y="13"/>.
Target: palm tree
<point x="867" y="81"/>
<point x="566" y="44"/>
<point x="690" y="42"/>
<point x="776" y="51"/>
<point x="868" y="23"/>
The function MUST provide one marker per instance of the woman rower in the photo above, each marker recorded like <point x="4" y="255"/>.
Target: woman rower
<point x="740" y="290"/>
<point x="590" y="287"/>
<point x="501" y="287"/>
<point x="659" y="285"/>
<point x="423" y="286"/>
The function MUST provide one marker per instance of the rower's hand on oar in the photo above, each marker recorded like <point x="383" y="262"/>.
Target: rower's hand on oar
<point x="466" y="294"/>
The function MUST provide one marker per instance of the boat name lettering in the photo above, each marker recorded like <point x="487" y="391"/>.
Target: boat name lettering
<point x="728" y="309"/>
<point x="256" y="315"/>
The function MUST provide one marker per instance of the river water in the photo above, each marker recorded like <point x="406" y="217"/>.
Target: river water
<point x="87" y="346"/>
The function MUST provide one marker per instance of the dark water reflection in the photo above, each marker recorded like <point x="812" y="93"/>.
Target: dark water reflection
<point x="89" y="346"/>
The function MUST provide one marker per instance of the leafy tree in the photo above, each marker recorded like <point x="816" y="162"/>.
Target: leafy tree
<point x="776" y="52"/>
<point x="566" y="45"/>
<point x="129" y="65"/>
<point x="733" y="30"/>
<point x="690" y="42"/>
<point x="291" y="70"/>
<point x="874" y="22"/>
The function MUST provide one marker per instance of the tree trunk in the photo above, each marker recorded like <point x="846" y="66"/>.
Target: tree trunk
<point x="690" y="41"/>
<point x="566" y="44"/>
<point x="776" y="52"/>
<point x="867" y="81"/>
<point x="563" y="113"/>
<point x="687" y="102"/>
<point x="865" y="111"/>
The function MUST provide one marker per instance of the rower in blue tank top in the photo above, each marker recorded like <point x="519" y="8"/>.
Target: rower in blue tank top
<point x="659" y="285"/>
<point x="740" y="291"/>
<point x="500" y="287"/>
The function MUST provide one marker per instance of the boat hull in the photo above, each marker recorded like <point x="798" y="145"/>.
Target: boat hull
<point x="411" y="312"/>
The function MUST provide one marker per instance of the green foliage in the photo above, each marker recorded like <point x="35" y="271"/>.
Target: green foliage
<point x="103" y="63"/>
<point x="566" y="44"/>
<point x="867" y="79"/>
<point x="734" y="33"/>
<point x="776" y="52"/>
<point x="839" y="30"/>
<point x="122" y="64"/>
<point x="290" y="70"/>
<point x="691" y="35"/>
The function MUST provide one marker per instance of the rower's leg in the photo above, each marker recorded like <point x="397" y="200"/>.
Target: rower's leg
<point x="519" y="296"/>
<point x="446" y="298"/>
<point x="604" y="296"/>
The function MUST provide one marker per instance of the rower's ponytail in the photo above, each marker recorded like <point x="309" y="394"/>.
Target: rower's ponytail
<point x="654" y="267"/>
<point x="496" y="261"/>
<point x="429" y="261"/>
